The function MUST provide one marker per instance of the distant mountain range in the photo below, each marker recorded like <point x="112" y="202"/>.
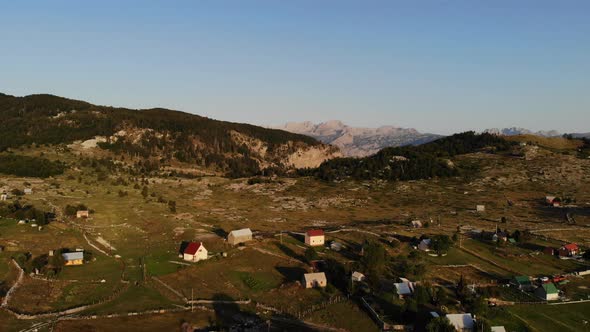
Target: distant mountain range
<point x="521" y="131"/>
<point x="356" y="141"/>
<point x="580" y="135"/>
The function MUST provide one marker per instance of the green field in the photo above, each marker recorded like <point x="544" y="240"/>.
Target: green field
<point x="566" y="317"/>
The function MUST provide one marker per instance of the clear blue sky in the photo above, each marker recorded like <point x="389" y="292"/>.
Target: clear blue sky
<point x="439" y="66"/>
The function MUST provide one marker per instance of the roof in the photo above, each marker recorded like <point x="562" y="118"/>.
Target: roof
<point x="241" y="232"/>
<point x="571" y="246"/>
<point x="550" y="288"/>
<point x="73" y="256"/>
<point x="318" y="276"/>
<point x="315" y="232"/>
<point x="403" y="288"/>
<point x="357" y="274"/>
<point x="498" y="329"/>
<point x="523" y="280"/>
<point x="192" y="248"/>
<point x="461" y="321"/>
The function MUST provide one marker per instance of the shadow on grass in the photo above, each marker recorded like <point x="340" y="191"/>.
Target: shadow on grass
<point x="290" y="252"/>
<point x="291" y="273"/>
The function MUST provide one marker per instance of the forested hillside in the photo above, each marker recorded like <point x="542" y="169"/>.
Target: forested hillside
<point x="237" y="149"/>
<point x="412" y="162"/>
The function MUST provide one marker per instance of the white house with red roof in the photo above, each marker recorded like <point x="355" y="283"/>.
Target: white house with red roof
<point x="194" y="252"/>
<point x="314" y="237"/>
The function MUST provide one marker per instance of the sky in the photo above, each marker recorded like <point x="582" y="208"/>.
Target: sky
<point x="438" y="66"/>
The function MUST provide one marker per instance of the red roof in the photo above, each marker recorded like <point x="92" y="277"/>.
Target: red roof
<point x="315" y="232"/>
<point x="192" y="248"/>
<point x="571" y="247"/>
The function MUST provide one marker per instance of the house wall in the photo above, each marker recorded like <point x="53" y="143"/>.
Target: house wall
<point x="314" y="283"/>
<point x="199" y="256"/>
<point x="75" y="262"/>
<point x="314" y="240"/>
<point x="233" y="240"/>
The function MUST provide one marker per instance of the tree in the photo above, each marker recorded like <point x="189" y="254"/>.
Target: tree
<point x="441" y="296"/>
<point x="172" y="206"/>
<point x="421" y="295"/>
<point x="440" y="324"/>
<point x="441" y="244"/>
<point x="310" y="255"/>
<point x="144" y="192"/>
<point x="375" y="258"/>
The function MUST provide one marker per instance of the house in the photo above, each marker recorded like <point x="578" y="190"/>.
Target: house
<point x="3" y="197"/>
<point x="522" y="283"/>
<point x="239" y="236"/>
<point x="194" y="252"/>
<point x="549" y="251"/>
<point x="416" y="224"/>
<point x="73" y="258"/>
<point x="568" y="250"/>
<point x="480" y="208"/>
<point x="28" y="191"/>
<point x="547" y="292"/>
<point x="462" y="322"/>
<point x="498" y="329"/>
<point x="313" y="280"/>
<point x="82" y="214"/>
<point x="314" y="237"/>
<point x="357" y="276"/>
<point x="424" y="245"/>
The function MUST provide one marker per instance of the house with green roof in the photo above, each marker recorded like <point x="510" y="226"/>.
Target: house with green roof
<point x="522" y="283"/>
<point x="547" y="292"/>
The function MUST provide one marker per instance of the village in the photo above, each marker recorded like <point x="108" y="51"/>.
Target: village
<point x="322" y="268"/>
<point x="295" y="254"/>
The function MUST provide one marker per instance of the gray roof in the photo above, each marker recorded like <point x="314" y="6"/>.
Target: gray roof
<point x="242" y="232"/>
<point x="461" y="321"/>
<point x="72" y="256"/>
<point x="403" y="288"/>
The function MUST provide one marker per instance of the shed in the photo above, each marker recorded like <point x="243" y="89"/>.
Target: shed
<point x="336" y="246"/>
<point x="28" y="191"/>
<point x="239" y="236"/>
<point x="416" y="223"/>
<point x="357" y="276"/>
<point x="462" y="322"/>
<point x="424" y="245"/>
<point x="404" y="289"/>
<point x="82" y="214"/>
<point x="313" y="280"/>
<point x="522" y="282"/>
<point x="480" y="208"/>
<point x="3" y="197"/>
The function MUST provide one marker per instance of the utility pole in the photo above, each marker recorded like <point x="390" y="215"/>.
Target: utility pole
<point x="192" y="298"/>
